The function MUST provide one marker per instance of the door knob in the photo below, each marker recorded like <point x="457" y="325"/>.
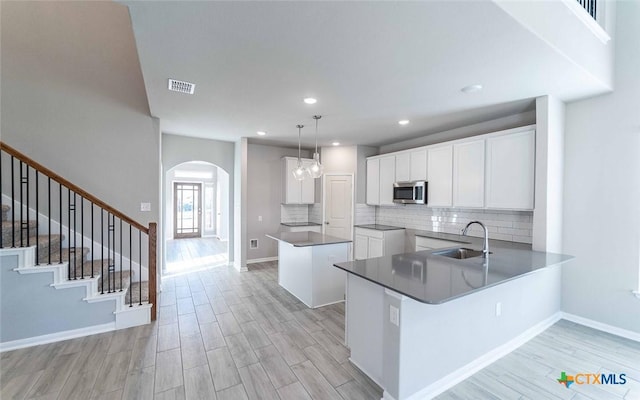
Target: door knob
<point x="326" y="223"/>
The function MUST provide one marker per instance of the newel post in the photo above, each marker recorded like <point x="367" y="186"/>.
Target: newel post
<point x="153" y="227"/>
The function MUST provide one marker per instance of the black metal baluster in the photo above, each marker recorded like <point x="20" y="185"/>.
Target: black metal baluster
<point x="60" y="224"/>
<point x="93" y="247"/>
<point x="21" y="205"/>
<point x="69" y="232"/>
<point x="82" y="236"/>
<point x="25" y="222"/>
<point x="49" y="211"/>
<point x="75" y="239"/>
<point x="102" y="249"/>
<point x="121" y="254"/>
<point x="130" y="266"/>
<point x="1" y="233"/>
<point x="110" y="242"/>
<point x="13" y="203"/>
<point x="140" y="265"/>
<point x="37" y="220"/>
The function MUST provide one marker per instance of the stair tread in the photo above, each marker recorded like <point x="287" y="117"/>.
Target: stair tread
<point x="41" y="240"/>
<point x="135" y="292"/>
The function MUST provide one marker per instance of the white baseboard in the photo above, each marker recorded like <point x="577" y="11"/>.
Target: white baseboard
<point x="57" y="336"/>
<point x="483" y="361"/>
<point x="259" y="260"/>
<point x="614" y="330"/>
<point x="364" y="371"/>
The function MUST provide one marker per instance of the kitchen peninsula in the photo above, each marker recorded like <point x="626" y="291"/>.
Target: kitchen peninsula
<point x="418" y="321"/>
<point x="305" y="268"/>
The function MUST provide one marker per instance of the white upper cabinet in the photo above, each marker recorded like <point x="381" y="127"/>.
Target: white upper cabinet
<point x="440" y="175"/>
<point x="387" y="179"/>
<point x="403" y="173"/>
<point x="468" y="174"/>
<point x="510" y="170"/>
<point x="418" y="165"/>
<point x="373" y="181"/>
<point x="295" y="191"/>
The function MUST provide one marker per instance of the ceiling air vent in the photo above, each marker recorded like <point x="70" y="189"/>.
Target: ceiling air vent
<point x="181" y="86"/>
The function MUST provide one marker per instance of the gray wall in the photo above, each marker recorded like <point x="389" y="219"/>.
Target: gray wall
<point x="602" y="191"/>
<point x="265" y="181"/>
<point x="30" y="307"/>
<point x="362" y="152"/>
<point x="180" y="149"/>
<point x="73" y="99"/>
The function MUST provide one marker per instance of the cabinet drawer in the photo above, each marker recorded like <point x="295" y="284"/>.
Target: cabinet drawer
<point x="370" y="233"/>
<point x="435" y="243"/>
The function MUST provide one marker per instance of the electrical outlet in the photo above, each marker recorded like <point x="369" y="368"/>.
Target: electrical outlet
<point x="394" y="315"/>
<point x="253" y="243"/>
<point x="498" y="309"/>
<point x="259" y="218"/>
<point x="145" y="206"/>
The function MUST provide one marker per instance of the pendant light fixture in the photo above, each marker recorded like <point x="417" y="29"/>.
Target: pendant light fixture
<point x="300" y="172"/>
<point x="316" y="169"/>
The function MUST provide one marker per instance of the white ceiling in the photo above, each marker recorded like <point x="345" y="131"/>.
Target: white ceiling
<point x="369" y="64"/>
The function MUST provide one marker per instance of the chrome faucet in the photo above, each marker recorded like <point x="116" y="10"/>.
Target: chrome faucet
<point x="485" y="248"/>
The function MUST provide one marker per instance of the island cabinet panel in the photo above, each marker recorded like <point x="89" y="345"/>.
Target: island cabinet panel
<point x="373" y="182"/>
<point x="295" y="191"/>
<point x="468" y="174"/>
<point x="364" y="326"/>
<point x="403" y="167"/>
<point x="440" y="173"/>
<point x="387" y="179"/>
<point x="510" y="171"/>
<point x="418" y="169"/>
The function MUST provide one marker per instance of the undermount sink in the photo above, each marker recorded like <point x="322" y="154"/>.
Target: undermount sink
<point x="460" y="253"/>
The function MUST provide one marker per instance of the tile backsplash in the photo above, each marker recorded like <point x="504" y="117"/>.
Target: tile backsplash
<point x="294" y="213"/>
<point x="365" y="214"/>
<point x="515" y="226"/>
<point x="315" y="213"/>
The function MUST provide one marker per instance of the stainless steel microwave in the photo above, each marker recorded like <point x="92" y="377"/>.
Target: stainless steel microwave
<point x="410" y="192"/>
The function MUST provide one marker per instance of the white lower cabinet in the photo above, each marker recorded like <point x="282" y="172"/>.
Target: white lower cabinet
<point x="371" y="243"/>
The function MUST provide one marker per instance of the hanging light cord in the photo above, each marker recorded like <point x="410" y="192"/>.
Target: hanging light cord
<point x="316" y="117"/>
<point x="299" y="133"/>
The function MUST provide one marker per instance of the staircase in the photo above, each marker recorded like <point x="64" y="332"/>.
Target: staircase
<point x="52" y="225"/>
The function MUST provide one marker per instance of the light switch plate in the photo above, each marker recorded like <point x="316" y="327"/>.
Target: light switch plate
<point x="394" y="315"/>
<point x="145" y="206"/>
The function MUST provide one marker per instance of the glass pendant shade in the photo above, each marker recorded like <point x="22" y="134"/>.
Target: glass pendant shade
<point x="316" y="169"/>
<point x="300" y="172"/>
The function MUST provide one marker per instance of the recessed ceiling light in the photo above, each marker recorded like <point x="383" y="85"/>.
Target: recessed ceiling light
<point x="336" y="143"/>
<point x="261" y="133"/>
<point x="403" y="121"/>
<point x="471" y="88"/>
<point x="310" y="100"/>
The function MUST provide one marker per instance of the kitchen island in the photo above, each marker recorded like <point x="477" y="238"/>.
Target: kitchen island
<point x="305" y="268"/>
<point x="417" y="323"/>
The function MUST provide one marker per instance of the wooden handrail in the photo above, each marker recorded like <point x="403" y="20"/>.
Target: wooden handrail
<point x="46" y="171"/>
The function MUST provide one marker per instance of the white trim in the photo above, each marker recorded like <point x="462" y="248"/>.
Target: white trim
<point x="636" y="293"/>
<point x="387" y="396"/>
<point x="394" y="294"/>
<point x="352" y="230"/>
<point x="133" y="316"/>
<point x="26" y="255"/>
<point x="614" y="330"/>
<point x="264" y="259"/>
<point x="587" y="20"/>
<point x="364" y="371"/>
<point x="485" y="360"/>
<point x="57" y="336"/>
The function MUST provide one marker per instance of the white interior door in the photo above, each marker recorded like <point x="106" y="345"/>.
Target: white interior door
<point x="338" y="205"/>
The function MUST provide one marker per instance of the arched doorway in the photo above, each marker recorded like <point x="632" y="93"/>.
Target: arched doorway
<point x="196" y="228"/>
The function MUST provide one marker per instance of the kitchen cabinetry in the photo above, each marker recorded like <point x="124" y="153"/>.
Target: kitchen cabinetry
<point x="373" y="181"/>
<point x="295" y="191"/>
<point x="418" y="165"/>
<point x="371" y="243"/>
<point x="440" y="175"/>
<point x="425" y="243"/>
<point x="510" y="170"/>
<point x="403" y="167"/>
<point x="387" y="179"/>
<point x="468" y="174"/>
<point x="307" y="228"/>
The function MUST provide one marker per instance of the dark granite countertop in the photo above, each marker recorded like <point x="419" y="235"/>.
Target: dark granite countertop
<point x="378" y="227"/>
<point x="434" y="279"/>
<point x="304" y="239"/>
<point x="300" y="224"/>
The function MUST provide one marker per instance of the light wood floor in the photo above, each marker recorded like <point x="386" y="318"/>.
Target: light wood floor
<point x="228" y="335"/>
<point x="189" y="254"/>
